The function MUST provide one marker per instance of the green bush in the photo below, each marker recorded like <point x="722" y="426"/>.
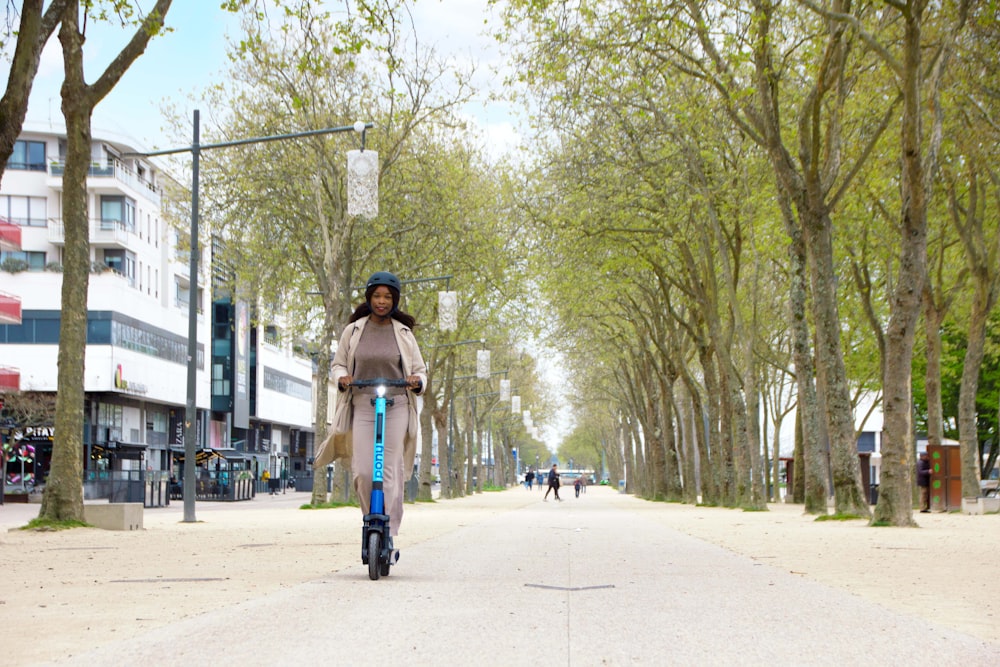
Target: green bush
<point x="14" y="265"/>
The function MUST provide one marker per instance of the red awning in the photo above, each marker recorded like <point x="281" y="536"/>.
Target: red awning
<point x="10" y="379"/>
<point x="10" y="235"/>
<point x="10" y="309"/>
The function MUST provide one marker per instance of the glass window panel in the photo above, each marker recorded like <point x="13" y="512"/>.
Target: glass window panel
<point x="19" y="210"/>
<point x="19" y="157"/>
<point x="99" y="332"/>
<point x="36" y="155"/>
<point x="18" y="333"/>
<point x="36" y="261"/>
<point x="37" y="211"/>
<point x="111" y="209"/>
<point x="47" y="331"/>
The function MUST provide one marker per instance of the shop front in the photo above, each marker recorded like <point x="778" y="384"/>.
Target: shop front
<point x="220" y="474"/>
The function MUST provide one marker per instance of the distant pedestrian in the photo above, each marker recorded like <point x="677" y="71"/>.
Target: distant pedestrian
<point x="529" y="478"/>
<point x="924" y="482"/>
<point x="576" y="486"/>
<point x="553" y="483"/>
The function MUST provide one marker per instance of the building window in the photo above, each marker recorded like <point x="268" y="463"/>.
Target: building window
<point x="220" y="383"/>
<point x="24" y="211"/>
<point x="182" y="295"/>
<point x="271" y="334"/>
<point x="35" y="260"/>
<point x="109" y="422"/>
<point x="121" y="262"/>
<point x="866" y="441"/>
<point x="117" y="210"/>
<point x="27" y="156"/>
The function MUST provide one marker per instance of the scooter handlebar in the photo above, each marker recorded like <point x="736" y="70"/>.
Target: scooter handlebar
<point x="381" y="382"/>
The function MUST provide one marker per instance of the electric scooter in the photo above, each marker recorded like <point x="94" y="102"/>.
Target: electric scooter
<point x="376" y="543"/>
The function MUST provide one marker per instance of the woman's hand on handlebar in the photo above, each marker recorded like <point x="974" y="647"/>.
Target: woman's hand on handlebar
<point x="416" y="384"/>
<point x="344" y="382"/>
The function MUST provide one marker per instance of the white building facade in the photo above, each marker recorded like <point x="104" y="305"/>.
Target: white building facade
<point x="137" y="339"/>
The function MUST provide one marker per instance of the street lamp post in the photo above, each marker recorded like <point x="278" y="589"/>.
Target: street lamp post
<point x="190" y="409"/>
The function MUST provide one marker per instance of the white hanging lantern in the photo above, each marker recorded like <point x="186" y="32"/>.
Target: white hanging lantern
<point x="447" y="311"/>
<point x="504" y="390"/>
<point x="483" y="364"/>
<point x="526" y="416"/>
<point x="515" y="405"/>
<point x="362" y="183"/>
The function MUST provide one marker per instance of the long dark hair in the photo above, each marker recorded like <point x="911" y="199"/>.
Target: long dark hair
<point x="364" y="308"/>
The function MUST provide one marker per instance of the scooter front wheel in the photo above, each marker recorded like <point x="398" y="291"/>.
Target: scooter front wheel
<point x="374" y="554"/>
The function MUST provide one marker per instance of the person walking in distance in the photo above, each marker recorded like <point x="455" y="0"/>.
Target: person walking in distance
<point x="924" y="482"/>
<point x="529" y="478"/>
<point x="378" y="342"/>
<point x="553" y="483"/>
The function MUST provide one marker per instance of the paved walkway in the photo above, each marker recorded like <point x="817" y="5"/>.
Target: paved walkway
<point x="588" y="581"/>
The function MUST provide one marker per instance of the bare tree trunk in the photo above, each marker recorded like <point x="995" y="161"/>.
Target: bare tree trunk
<point x="320" y="417"/>
<point x="697" y="477"/>
<point x="655" y="459"/>
<point x="849" y="497"/>
<point x="895" y="500"/>
<point x="63" y="497"/>
<point x="444" y="460"/>
<point x="458" y="463"/>
<point x="968" y="429"/>
<point x="687" y="419"/>
<point x="33" y="32"/>
<point x="798" y="485"/>
<point x="425" y="490"/>
<point x="671" y="447"/>
<point x="711" y="474"/>
<point x="758" y="495"/>
<point x="812" y="474"/>
<point x="933" y="318"/>
<point x="628" y="450"/>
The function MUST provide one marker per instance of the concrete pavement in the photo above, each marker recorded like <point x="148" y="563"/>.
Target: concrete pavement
<point x="587" y="581"/>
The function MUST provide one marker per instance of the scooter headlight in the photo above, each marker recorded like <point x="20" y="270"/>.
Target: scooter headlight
<point x="380" y="391"/>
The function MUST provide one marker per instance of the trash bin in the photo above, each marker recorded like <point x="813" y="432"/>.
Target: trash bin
<point x="873" y="494"/>
<point x="621" y="486"/>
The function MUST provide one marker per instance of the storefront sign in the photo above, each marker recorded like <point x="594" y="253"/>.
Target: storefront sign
<point x="126" y="386"/>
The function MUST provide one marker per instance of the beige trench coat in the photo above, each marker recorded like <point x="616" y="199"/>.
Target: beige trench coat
<point x="337" y="445"/>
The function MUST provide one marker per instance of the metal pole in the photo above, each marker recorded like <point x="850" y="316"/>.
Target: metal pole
<point x="190" y="409"/>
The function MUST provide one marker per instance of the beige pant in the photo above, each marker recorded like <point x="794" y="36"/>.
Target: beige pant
<point x="396" y="418"/>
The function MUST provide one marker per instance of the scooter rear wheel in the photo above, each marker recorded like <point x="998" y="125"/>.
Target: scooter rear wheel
<point x="374" y="555"/>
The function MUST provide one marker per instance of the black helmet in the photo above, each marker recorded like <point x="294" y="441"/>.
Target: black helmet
<point x="383" y="278"/>
<point x="387" y="279"/>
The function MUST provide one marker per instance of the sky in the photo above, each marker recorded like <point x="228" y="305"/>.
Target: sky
<point x="179" y="65"/>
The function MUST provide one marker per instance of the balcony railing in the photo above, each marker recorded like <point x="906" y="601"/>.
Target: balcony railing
<point x="117" y="171"/>
<point x="102" y="233"/>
